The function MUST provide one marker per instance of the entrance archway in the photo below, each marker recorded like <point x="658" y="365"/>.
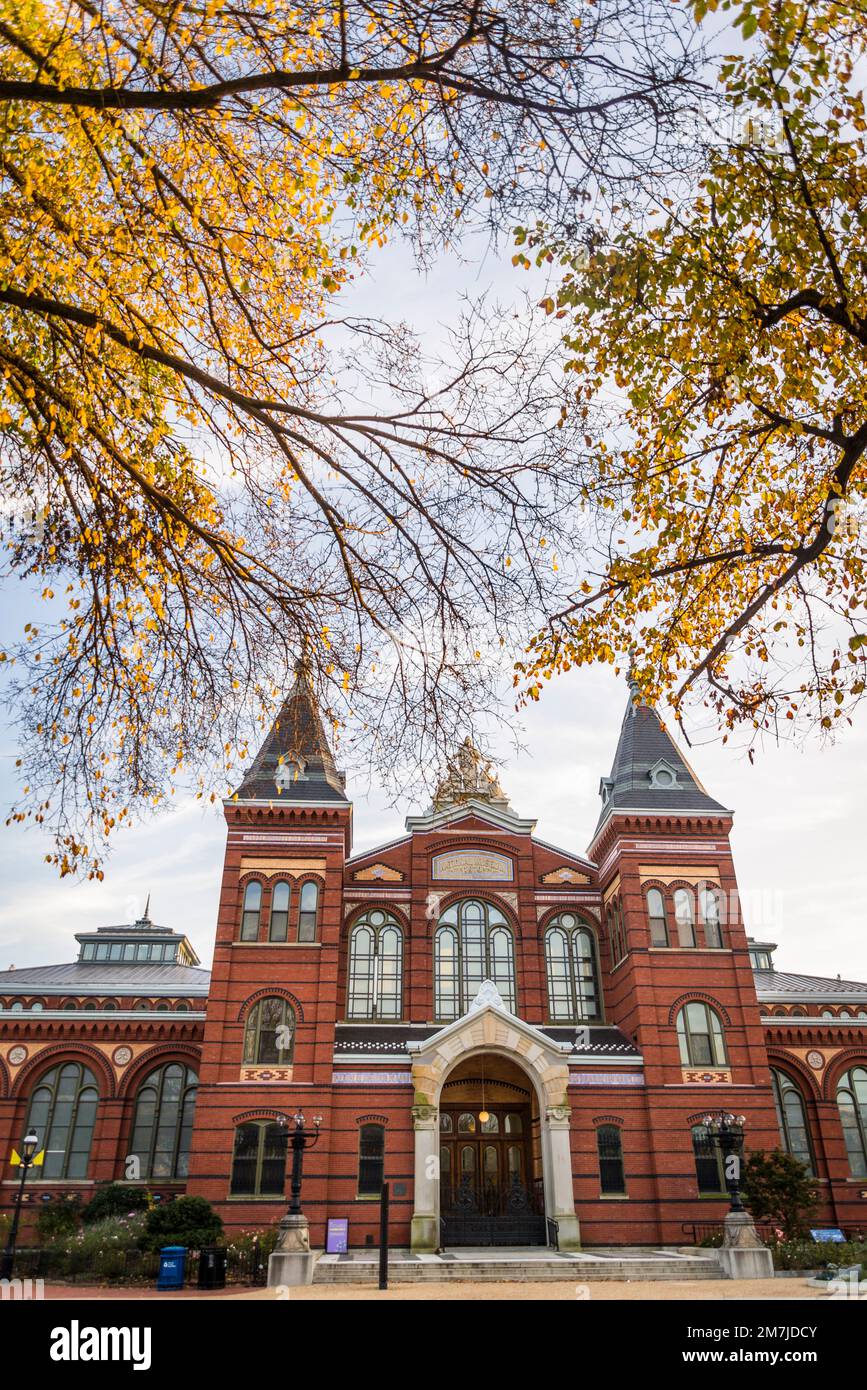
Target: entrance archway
<point x="530" y="1060"/>
<point x="490" y="1156"/>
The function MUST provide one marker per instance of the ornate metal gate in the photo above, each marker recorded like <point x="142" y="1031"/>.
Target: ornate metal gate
<point x="492" y="1214"/>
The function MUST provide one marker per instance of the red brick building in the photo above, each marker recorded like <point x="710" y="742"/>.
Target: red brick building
<point x="521" y="1039"/>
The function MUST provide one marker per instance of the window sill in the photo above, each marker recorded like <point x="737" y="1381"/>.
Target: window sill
<point x="693" y="950"/>
<point x="613" y="1197"/>
<point x="365" y="1197"/>
<point x="260" y="1201"/>
<point x="274" y="945"/>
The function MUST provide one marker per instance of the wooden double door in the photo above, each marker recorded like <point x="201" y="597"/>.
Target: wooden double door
<point x="487" y="1192"/>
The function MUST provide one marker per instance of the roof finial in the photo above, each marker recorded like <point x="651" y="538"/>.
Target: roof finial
<point x="634" y="689"/>
<point x="146" y="915"/>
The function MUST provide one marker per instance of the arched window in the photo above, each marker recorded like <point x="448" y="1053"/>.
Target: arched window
<point x="656" y="917"/>
<point x="708" y="1162"/>
<point x="570" y="959"/>
<point x="279" y="926"/>
<point x="612" y="1181"/>
<point x="684" y="916"/>
<point x="473" y="943"/>
<point x="269" y="1035"/>
<point x="711" y="916"/>
<point x="371" y="1160"/>
<point x="616" y="932"/>
<point x="259" y="1160"/>
<point x="700" y="1035"/>
<point x="252" y="908"/>
<point x="163" y="1121"/>
<point x="792" y="1118"/>
<point x="375" y="967"/>
<point x="852" y="1105"/>
<point x="62" y="1112"/>
<point x="309" y="911"/>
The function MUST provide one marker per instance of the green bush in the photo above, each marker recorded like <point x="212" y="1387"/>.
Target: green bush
<point x="818" y="1254"/>
<point x="244" y="1242"/>
<point x="778" y="1188"/>
<point x="114" y="1200"/>
<point x="189" y="1221"/>
<point x="55" y="1224"/>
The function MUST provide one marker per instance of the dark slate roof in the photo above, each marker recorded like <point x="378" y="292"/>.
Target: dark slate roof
<point x="389" y="1039"/>
<point x="89" y="977"/>
<point x="775" y="984"/>
<point x="296" y="730"/>
<point x="643" y="742"/>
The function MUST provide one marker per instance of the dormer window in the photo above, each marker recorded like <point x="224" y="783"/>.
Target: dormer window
<point x="292" y="769"/>
<point x="606" y="786"/>
<point x="663" y="775"/>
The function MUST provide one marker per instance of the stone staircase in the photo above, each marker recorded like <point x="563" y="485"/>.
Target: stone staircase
<point x="518" y="1266"/>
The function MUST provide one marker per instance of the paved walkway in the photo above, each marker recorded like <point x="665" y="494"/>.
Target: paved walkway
<point x="722" y="1290"/>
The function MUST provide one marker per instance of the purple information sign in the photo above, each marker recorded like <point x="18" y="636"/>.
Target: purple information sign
<point x="337" y="1238"/>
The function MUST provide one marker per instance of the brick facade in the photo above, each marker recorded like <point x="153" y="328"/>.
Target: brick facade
<point x="624" y="1065"/>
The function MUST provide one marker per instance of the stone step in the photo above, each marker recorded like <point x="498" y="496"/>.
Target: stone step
<point x="363" y="1269"/>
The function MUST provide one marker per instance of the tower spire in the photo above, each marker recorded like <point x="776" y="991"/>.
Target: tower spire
<point x="295" y="762"/>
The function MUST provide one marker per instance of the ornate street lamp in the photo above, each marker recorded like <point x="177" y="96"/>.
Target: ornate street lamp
<point x="292" y="1261"/>
<point x="26" y="1162"/>
<point x="727" y="1132"/>
<point x="300" y="1138"/>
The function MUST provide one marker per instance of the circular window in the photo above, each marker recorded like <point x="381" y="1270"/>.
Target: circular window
<point x="376" y="918"/>
<point x="567" y="921"/>
<point x="663" y="778"/>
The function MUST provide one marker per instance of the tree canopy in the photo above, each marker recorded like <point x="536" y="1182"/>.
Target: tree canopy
<point x="228" y="470"/>
<point x="724" y="322"/>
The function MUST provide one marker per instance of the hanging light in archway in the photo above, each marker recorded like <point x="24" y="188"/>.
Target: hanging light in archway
<point x="483" y="1113"/>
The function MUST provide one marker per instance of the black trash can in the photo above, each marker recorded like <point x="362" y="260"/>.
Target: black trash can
<point x="212" y="1267"/>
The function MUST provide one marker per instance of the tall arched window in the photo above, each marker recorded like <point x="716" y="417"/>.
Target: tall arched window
<point x="309" y="911"/>
<point x="279" y="926"/>
<point x="700" y="1035"/>
<point x="656" y="917"/>
<point x="473" y="943"/>
<point x="62" y="1112"/>
<point x="163" y="1121"/>
<point x="612" y="1181"/>
<point x="375" y="967"/>
<point x="252" y="908"/>
<point x="684" y="916"/>
<point x="792" y="1118"/>
<point x="709" y="901"/>
<point x="259" y="1159"/>
<point x="708" y="1161"/>
<point x="371" y="1160"/>
<point x="570" y="960"/>
<point x="852" y="1105"/>
<point x="269" y="1035"/>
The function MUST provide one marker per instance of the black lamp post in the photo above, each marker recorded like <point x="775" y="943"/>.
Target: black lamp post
<point x="28" y="1153"/>
<point x="727" y="1131"/>
<point x="300" y="1138"/>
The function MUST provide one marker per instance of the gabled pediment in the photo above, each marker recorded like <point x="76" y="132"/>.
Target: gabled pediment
<point x="472" y="814"/>
<point x="565" y="873"/>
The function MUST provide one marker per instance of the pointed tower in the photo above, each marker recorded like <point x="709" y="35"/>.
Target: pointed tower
<point x="269" y="1034"/>
<point x="295" y="763"/>
<point x="674" y="950"/>
<point x="649" y="772"/>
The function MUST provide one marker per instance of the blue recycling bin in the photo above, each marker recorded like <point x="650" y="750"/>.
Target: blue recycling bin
<point x="173" y="1259"/>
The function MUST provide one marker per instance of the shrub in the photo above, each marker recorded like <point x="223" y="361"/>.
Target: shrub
<point x="189" y="1221"/>
<point x="818" y="1254"/>
<point x="778" y="1188"/>
<point x="246" y="1241"/>
<point x="115" y="1200"/>
<point x="55" y="1224"/>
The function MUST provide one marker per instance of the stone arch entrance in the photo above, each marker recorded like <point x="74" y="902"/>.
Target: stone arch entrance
<point x="491" y="1183"/>
<point x="528" y="1059"/>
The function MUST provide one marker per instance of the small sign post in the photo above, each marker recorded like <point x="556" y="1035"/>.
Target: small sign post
<point x="337" y="1237"/>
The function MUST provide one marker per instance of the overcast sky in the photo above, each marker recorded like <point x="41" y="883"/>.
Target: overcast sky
<point x="799" y="813"/>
